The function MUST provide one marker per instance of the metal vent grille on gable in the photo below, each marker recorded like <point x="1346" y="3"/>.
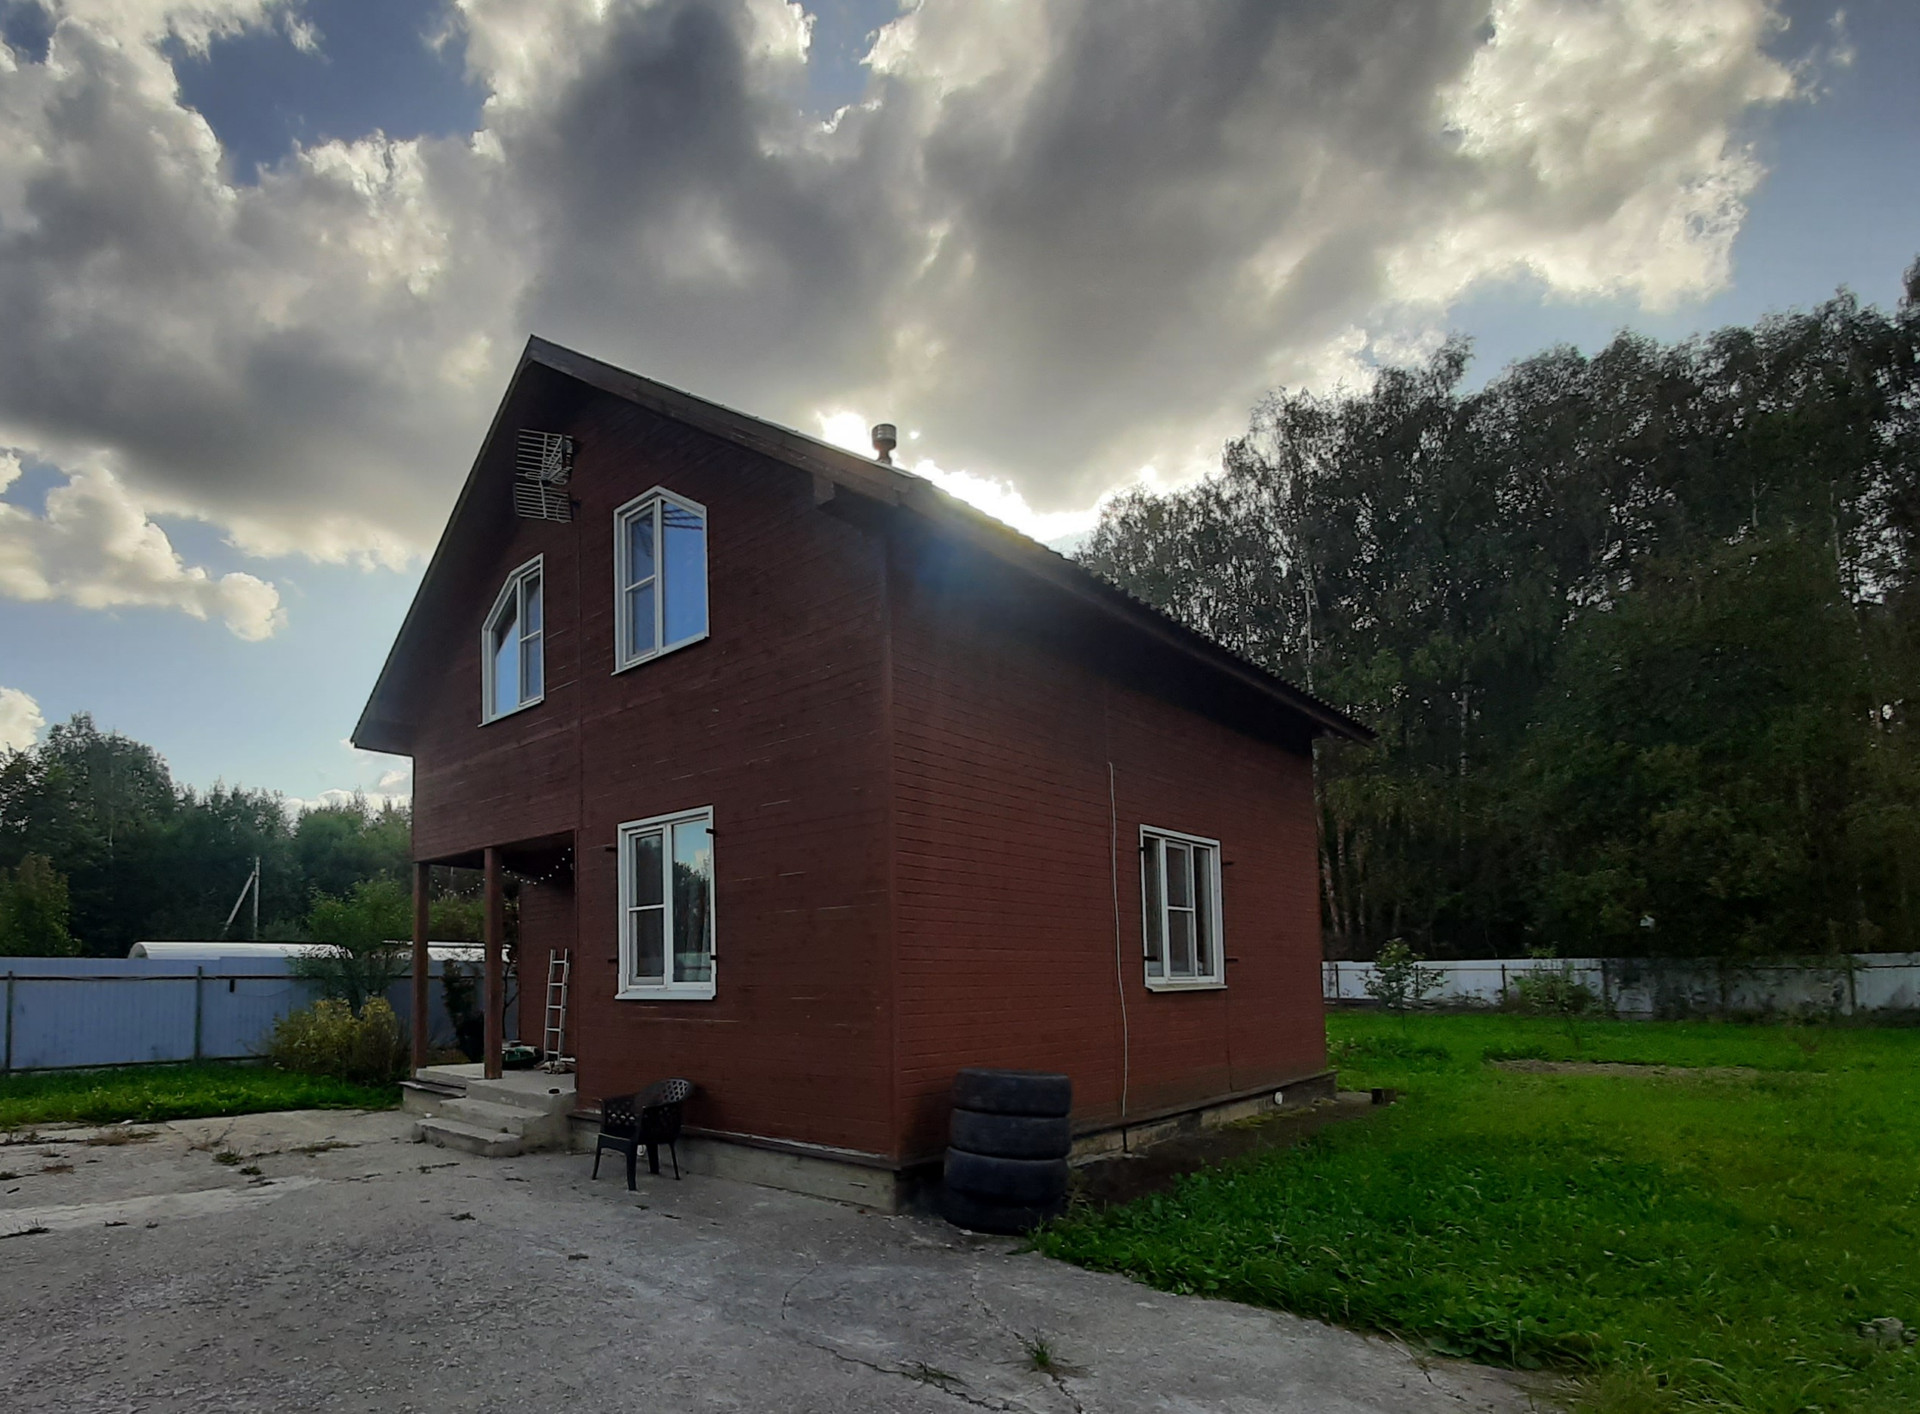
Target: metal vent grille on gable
<point x="541" y="469"/>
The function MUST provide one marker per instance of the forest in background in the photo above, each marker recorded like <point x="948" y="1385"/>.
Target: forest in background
<point x="1637" y="633"/>
<point x="100" y="849"/>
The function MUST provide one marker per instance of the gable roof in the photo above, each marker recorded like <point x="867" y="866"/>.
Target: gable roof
<point x="383" y="718"/>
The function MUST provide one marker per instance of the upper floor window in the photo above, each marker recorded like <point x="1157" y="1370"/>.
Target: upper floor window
<point x="666" y="906"/>
<point x="1180" y="884"/>
<point x="513" y="666"/>
<point x="660" y="576"/>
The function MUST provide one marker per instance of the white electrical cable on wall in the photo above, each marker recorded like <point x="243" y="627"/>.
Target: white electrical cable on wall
<point x="1119" y="953"/>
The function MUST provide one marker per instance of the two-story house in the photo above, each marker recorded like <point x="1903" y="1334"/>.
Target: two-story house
<point x="830" y="785"/>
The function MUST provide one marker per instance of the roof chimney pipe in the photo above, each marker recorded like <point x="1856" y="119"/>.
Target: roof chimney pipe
<point x="885" y="438"/>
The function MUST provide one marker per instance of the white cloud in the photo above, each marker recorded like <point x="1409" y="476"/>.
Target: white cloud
<point x="393" y="785"/>
<point x="1597" y="193"/>
<point x="96" y="548"/>
<point x="20" y="720"/>
<point x="296" y="806"/>
<point x="1064" y="239"/>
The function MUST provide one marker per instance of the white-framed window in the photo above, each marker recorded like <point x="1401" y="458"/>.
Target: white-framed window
<point x="659" y="576"/>
<point x="512" y="658"/>
<point x="1180" y="891"/>
<point x="666" y="906"/>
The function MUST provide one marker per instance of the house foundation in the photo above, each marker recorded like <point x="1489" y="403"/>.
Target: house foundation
<point x="870" y="1181"/>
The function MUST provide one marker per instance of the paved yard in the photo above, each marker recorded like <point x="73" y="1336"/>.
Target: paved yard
<point x="384" y="1275"/>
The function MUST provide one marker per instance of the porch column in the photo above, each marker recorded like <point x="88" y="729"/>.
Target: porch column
<point x="420" y="983"/>
<point x="495" y="989"/>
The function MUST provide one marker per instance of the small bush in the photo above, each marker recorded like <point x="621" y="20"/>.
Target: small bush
<point x="1399" y="982"/>
<point x="460" y="987"/>
<point x="1553" y="992"/>
<point x="328" y="1039"/>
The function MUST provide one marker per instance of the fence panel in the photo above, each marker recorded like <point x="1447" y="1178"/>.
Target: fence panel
<point x="1859" y="984"/>
<point x="100" y="1020"/>
<point x="238" y="1012"/>
<point x="64" y="1013"/>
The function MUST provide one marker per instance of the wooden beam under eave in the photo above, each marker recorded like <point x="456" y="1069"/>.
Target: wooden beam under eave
<point x="495" y="985"/>
<point x="421" y="873"/>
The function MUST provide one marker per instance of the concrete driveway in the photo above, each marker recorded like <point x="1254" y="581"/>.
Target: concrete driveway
<point x="385" y="1275"/>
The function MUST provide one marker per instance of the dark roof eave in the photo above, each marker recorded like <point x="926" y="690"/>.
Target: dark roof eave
<point x="372" y="732"/>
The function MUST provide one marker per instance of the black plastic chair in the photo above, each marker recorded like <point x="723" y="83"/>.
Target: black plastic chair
<point x="630" y="1123"/>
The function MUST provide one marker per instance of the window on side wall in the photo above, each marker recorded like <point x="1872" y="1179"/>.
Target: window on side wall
<point x="666" y="906"/>
<point x="1180" y="888"/>
<point x="660" y="576"/>
<point x="512" y="659"/>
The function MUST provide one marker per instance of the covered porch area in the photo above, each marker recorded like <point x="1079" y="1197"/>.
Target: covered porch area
<point x="545" y="863"/>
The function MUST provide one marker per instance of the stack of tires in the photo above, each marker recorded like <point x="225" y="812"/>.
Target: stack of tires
<point x="1006" y="1167"/>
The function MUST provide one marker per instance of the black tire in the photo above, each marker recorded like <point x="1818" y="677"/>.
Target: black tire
<point x="1012" y="1136"/>
<point x="1013" y="1092"/>
<point x="1010" y="1219"/>
<point x="1031" y="1182"/>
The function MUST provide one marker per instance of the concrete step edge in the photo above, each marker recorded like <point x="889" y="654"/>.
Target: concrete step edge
<point x="457" y="1134"/>
<point x="534" y="1102"/>
<point x="489" y="1115"/>
<point x="433" y="1087"/>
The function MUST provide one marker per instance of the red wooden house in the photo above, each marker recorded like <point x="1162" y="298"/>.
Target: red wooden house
<point x="831" y="785"/>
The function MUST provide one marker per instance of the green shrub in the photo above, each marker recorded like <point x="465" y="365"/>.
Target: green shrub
<point x="328" y="1039"/>
<point x="460" y="987"/>
<point x="360" y="954"/>
<point x="1399" y="981"/>
<point x="1554" y="992"/>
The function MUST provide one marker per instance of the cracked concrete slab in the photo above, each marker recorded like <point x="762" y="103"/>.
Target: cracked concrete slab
<point x="384" y="1275"/>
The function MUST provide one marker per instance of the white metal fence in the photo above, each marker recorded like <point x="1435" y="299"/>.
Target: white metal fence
<point x="1852" y="984"/>
<point x="63" y="1012"/>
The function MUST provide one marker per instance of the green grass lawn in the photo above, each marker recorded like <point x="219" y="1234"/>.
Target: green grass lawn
<point x="159" y="1092"/>
<point x="1678" y="1242"/>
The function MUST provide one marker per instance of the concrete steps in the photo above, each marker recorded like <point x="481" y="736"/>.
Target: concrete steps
<point x="447" y="1133"/>
<point x="458" y="1108"/>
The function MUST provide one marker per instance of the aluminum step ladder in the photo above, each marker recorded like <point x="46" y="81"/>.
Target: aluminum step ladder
<point x="559" y="971"/>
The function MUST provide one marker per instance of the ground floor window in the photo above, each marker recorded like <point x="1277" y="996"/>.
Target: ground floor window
<point x="666" y="906"/>
<point x="1180" y="888"/>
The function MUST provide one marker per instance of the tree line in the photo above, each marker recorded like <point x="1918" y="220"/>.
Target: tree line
<point x="100" y="849"/>
<point x="1637" y="633"/>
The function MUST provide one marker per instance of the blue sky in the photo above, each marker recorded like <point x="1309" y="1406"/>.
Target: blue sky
<point x="320" y="497"/>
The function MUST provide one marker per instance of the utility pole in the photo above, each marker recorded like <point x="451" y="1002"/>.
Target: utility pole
<point x="253" y="883"/>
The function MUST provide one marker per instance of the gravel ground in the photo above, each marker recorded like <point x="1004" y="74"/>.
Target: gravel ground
<point x="320" y="1261"/>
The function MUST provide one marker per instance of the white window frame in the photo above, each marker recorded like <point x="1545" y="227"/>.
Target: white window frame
<point x="1155" y="858"/>
<point x="666" y="988"/>
<point x="650" y="503"/>
<point x="514" y="590"/>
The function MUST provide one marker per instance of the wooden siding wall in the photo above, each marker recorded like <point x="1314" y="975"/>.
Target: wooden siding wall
<point x="546" y="929"/>
<point x="776" y="721"/>
<point x="1004" y="859"/>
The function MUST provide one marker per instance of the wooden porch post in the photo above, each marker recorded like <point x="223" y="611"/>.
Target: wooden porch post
<point x="420" y="983"/>
<point x="495" y="988"/>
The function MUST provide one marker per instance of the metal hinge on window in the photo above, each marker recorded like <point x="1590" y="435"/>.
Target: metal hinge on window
<point x="542" y="467"/>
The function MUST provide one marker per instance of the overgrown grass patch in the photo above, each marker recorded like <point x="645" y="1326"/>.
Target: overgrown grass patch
<point x="1676" y="1241"/>
<point x="150" y="1093"/>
